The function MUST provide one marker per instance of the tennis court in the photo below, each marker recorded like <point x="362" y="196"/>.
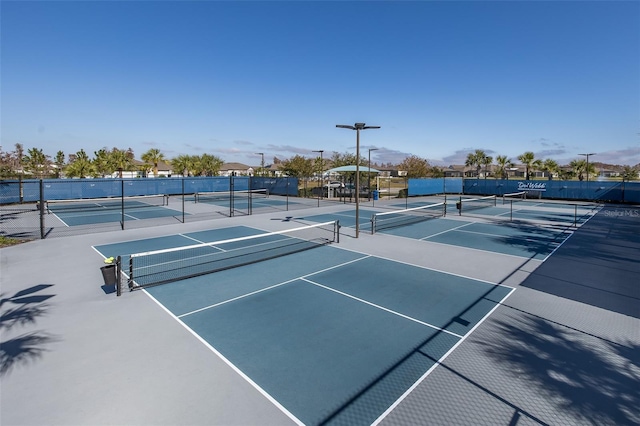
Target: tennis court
<point x="386" y="328"/>
<point x="428" y="223"/>
<point x="104" y="210"/>
<point x="329" y="335"/>
<point x="244" y="200"/>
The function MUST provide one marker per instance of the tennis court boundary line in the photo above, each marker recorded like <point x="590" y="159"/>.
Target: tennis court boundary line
<point x="434" y="269"/>
<point x="441" y="360"/>
<point x="382" y="308"/>
<point x="229" y="363"/>
<point x="463" y="247"/>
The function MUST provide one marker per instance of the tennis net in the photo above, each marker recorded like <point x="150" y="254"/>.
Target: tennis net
<point x="225" y="196"/>
<point x="476" y="203"/>
<point x="408" y="216"/>
<point x="514" y="196"/>
<point x="164" y="266"/>
<point x="107" y="203"/>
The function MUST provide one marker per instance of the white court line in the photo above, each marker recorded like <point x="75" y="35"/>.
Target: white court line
<point x="229" y="363"/>
<point x="440" y="270"/>
<point x="270" y="287"/>
<point x="437" y="363"/>
<point x="448" y="230"/>
<point x="192" y="239"/>
<point x="382" y="308"/>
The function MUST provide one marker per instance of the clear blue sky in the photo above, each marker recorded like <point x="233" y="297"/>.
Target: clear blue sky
<point x="236" y="78"/>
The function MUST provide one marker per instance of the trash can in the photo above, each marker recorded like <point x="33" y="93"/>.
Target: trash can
<point x="375" y="195"/>
<point x="109" y="274"/>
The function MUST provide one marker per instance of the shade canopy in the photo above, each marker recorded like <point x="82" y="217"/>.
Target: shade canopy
<point x="343" y="169"/>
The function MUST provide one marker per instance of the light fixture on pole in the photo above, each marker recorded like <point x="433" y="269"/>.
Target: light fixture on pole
<point x="369" y="176"/>
<point x="261" y="163"/>
<point x="321" y="173"/>
<point x="588" y="155"/>
<point x="357" y="127"/>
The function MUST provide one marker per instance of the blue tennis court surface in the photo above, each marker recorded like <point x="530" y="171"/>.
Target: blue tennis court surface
<point x="109" y="211"/>
<point x="331" y="335"/>
<point x="514" y="239"/>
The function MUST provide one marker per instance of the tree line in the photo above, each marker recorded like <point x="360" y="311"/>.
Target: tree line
<point x="105" y="162"/>
<point x="577" y="168"/>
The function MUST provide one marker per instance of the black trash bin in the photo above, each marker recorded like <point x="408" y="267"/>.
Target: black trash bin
<point x="109" y="274"/>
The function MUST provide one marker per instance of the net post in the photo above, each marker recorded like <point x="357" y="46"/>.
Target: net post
<point x="337" y="231"/>
<point x="575" y="215"/>
<point x="130" y="281"/>
<point x="118" y="276"/>
<point x="460" y="206"/>
<point x="373" y="224"/>
<point x="511" y="211"/>
<point x="444" y="207"/>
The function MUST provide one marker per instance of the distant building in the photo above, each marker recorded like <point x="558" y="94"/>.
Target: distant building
<point x="237" y="169"/>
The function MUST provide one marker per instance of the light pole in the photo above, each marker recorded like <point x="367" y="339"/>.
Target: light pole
<point x="369" y="176"/>
<point x="357" y="127"/>
<point x="321" y="173"/>
<point x="588" y="155"/>
<point x="261" y="163"/>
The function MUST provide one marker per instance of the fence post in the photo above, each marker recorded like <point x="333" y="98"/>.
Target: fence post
<point x="122" y="202"/>
<point x="182" y="199"/>
<point x="42" y="233"/>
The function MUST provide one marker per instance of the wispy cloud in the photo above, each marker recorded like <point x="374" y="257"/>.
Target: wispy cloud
<point x="628" y="156"/>
<point x="550" y="153"/>
<point x="288" y="149"/>
<point x="460" y="156"/>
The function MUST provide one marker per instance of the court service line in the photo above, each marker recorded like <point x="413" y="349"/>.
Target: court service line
<point x="448" y="230"/>
<point x="382" y="308"/>
<point x="270" y="287"/>
<point x="193" y="239"/>
<point x="439" y="361"/>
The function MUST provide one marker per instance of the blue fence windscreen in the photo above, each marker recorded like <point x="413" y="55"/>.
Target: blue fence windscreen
<point x="432" y="186"/>
<point x="558" y="189"/>
<point x="28" y="190"/>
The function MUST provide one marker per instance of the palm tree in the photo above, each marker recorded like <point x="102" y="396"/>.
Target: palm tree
<point x="550" y="166"/>
<point x="476" y="159"/>
<point x="182" y="165"/>
<point x="529" y="161"/>
<point x="79" y="165"/>
<point x="578" y="167"/>
<point x="504" y="163"/>
<point x="210" y="164"/>
<point x="153" y="157"/>
<point x="121" y="160"/>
